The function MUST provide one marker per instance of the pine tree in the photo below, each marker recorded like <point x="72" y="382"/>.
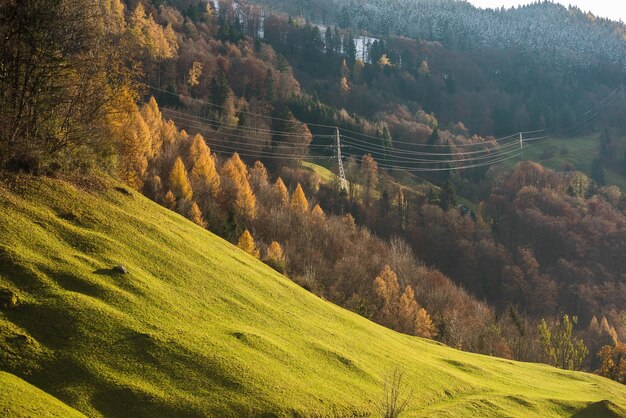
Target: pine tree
<point x="246" y="243"/>
<point x="597" y="172"/>
<point x="328" y="40"/>
<point x="281" y="192"/>
<point x="179" y="182"/>
<point x="447" y="198"/>
<point x="298" y="201"/>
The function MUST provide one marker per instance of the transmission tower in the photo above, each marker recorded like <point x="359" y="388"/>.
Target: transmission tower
<point x="342" y="174"/>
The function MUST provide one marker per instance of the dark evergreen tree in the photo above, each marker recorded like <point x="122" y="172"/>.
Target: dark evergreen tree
<point x="448" y="198"/>
<point x="597" y="172"/>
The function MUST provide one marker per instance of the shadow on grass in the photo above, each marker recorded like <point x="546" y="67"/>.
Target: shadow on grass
<point x="601" y="409"/>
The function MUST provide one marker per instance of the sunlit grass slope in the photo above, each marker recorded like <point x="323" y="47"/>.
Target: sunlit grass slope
<point x="198" y="328"/>
<point x="19" y="398"/>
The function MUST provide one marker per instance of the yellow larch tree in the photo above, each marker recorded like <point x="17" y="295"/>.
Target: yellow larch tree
<point x="387" y="290"/>
<point x="169" y="201"/>
<point x="424" y="326"/>
<point x="407" y="310"/>
<point x="195" y="215"/>
<point x="197" y="148"/>
<point x="245" y="203"/>
<point x="275" y="257"/>
<point x="281" y="192"/>
<point x="179" y="182"/>
<point x="246" y="243"/>
<point x="204" y="175"/>
<point x="317" y="214"/>
<point x="151" y="114"/>
<point x="298" y="201"/>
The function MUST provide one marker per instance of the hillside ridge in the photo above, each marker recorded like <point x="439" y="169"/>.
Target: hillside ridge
<point x="200" y="328"/>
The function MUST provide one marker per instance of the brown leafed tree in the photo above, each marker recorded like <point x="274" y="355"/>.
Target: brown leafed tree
<point x="63" y="82"/>
<point x="613" y="362"/>
<point x="369" y="176"/>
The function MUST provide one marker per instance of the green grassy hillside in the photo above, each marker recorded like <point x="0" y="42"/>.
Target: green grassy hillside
<point x="198" y="328"/>
<point x="19" y="398"/>
<point x="566" y="153"/>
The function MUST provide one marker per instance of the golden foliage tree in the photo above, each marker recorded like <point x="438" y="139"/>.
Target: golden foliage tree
<point x="258" y="175"/>
<point x="387" y="290"/>
<point x="169" y="201"/>
<point x="613" y="362"/>
<point x="424" y="326"/>
<point x="134" y="149"/>
<point x="407" y="310"/>
<point x="246" y="243"/>
<point x="298" y="200"/>
<point x="195" y="215"/>
<point x="245" y="203"/>
<point x="204" y="175"/>
<point x="237" y="191"/>
<point x="64" y="83"/>
<point x="281" y="192"/>
<point x="193" y="78"/>
<point x="113" y="16"/>
<point x="151" y="114"/>
<point x="152" y="39"/>
<point x="197" y="148"/>
<point x="236" y="170"/>
<point x="179" y="182"/>
<point x="318" y="213"/>
<point x="275" y="257"/>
